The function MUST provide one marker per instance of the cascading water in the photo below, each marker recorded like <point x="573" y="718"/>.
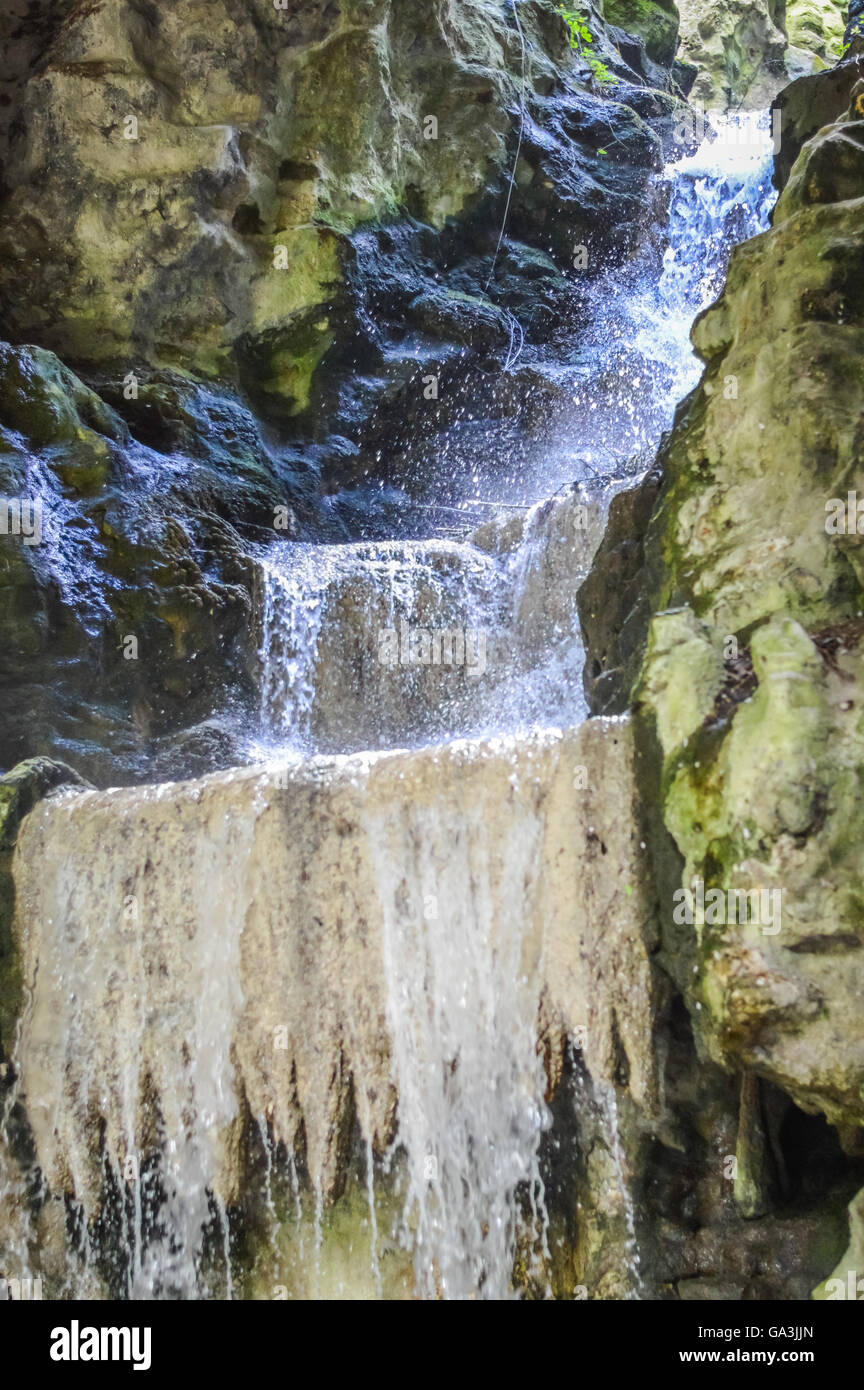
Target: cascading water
<point x="462" y="1013"/>
<point x="639" y="362"/>
<point x="460" y="976"/>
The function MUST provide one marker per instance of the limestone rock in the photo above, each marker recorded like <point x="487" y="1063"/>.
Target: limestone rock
<point x="656" y="21"/>
<point x="230" y="942"/>
<point x="808" y="105"/>
<point x="130" y="563"/>
<point x="739" y="48"/>
<point x="20" y="790"/>
<point x="187" y="177"/>
<point x="613" y="601"/>
<point x="761" y="796"/>
<point x="817" y="26"/>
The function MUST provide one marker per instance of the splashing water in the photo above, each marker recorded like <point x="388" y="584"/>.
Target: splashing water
<point x="323" y="608"/>
<point x="640" y="361"/>
<point x="347" y="650"/>
<point x="461" y="1011"/>
<point x="462" y="1022"/>
<point x="335" y="623"/>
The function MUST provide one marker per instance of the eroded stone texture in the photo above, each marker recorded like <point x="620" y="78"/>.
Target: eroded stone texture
<point x="372" y="146"/>
<point x="655" y="21"/>
<point x="817" y="26"/>
<point x="179" y="178"/>
<point x="739" y="48"/>
<point x="809" y="104"/>
<point x="752" y="676"/>
<point x="170" y="934"/>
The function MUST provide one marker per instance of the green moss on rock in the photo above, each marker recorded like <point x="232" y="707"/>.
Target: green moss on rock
<point x="763" y="753"/>
<point x="655" y="21"/>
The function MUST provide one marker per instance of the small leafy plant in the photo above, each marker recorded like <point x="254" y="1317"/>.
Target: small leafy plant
<point x="582" y="40"/>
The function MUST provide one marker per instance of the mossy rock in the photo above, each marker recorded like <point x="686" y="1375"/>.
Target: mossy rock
<point x="655" y="21"/>
<point x="20" y="790"/>
<point x="817" y="26"/>
<point x="753" y="676"/>
<point x="52" y="408"/>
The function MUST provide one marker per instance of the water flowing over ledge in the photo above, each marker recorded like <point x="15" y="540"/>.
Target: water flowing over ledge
<point x="300" y="949"/>
<point x="366" y="974"/>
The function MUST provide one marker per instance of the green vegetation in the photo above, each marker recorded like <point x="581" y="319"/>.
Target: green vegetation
<point x="581" y="39"/>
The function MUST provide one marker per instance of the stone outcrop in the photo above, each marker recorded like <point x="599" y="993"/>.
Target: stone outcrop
<point x="817" y="27"/>
<point x="189" y="176"/>
<point x="204" y="224"/>
<point x="745" y="53"/>
<point x="739" y="48"/>
<point x="655" y="21"/>
<point x="20" y="790"/>
<point x="812" y="102"/>
<point x="229" y="984"/>
<point x="170" y="153"/>
<point x="751" y="684"/>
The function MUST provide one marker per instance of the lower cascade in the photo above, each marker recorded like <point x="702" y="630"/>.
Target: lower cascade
<point x="336" y="948"/>
<point x="348" y="961"/>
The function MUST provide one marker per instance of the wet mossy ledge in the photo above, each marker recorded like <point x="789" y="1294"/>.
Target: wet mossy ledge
<point x="20" y="790"/>
<point x="303" y="1166"/>
<point x="226" y="272"/>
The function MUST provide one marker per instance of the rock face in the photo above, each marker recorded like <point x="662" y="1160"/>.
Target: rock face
<point x="175" y="152"/>
<point x="123" y="563"/>
<point x="20" y="790"/>
<point x="739" y="48"/>
<point x="655" y="21"/>
<point x="240" y="268"/>
<point x="745" y="53"/>
<point x="751" y="684"/>
<point x="810" y="103"/>
<point x="818" y="26"/>
<point x="190" y="175"/>
<point x="244" y="950"/>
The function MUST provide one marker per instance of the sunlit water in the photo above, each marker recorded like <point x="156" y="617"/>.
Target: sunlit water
<point x="323" y="609"/>
<point x="461" y="1019"/>
<point x="639" y="361"/>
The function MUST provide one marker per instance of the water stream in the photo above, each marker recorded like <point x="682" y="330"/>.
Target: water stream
<point x="375" y="646"/>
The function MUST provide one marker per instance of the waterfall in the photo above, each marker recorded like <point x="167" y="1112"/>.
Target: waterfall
<point x="307" y="947"/>
<point x="638" y="360"/>
<point x="398" y="644"/>
<point x="241" y="980"/>
<point x="462" y="1014"/>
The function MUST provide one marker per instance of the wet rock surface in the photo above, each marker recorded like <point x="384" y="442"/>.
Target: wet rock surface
<point x="249" y="285"/>
<point x="248" y="300"/>
<point x="750" y="685"/>
<point x="318" y="864"/>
